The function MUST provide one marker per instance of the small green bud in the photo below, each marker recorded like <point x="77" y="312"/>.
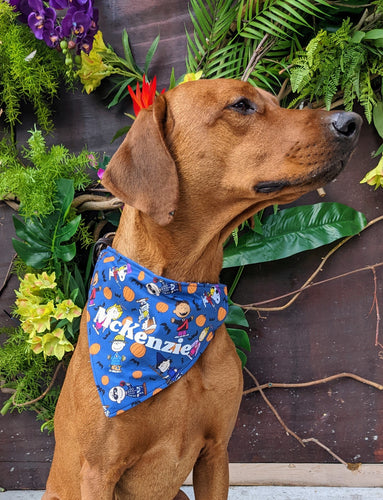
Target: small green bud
<point x="63" y="44"/>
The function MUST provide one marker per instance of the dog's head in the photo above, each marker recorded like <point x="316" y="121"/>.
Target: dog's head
<point x="226" y="145"/>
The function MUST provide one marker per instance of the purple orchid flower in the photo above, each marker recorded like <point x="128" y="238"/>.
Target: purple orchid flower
<point x="59" y="4"/>
<point x="41" y="19"/>
<point x="22" y="6"/>
<point x="52" y="34"/>
<point x="76" y="22"/>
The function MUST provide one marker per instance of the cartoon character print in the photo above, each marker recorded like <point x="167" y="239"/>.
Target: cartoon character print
<point x="119" y="273"/>
<point x="94" y="289"/>
<point x="118" y="393"/>
<point x="148" y="323"/>
<point x="166" y="371"/>
<point x="212" y="297"/>
<point x="129" y="364"/>
<point x="158" y="286"/>
<point x="182" y="311"/>
<point x="116" y="359"/>
<point x="104" y="317"/>
<point x="197" y="344"/>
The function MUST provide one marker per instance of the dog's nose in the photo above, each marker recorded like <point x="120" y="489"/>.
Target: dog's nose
<point x="346" y="125"/>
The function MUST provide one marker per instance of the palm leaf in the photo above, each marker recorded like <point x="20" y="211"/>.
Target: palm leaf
<point x="211" y="23"/>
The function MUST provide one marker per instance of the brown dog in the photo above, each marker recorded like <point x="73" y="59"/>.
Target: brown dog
<point x="206" y="156"/>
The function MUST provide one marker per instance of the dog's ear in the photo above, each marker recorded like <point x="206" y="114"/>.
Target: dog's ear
<point x="142" y="172"/>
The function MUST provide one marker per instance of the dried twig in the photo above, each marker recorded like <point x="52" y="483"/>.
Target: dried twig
<point x="26" y="403"/>
<point x="88" y="202"/>
<point x="278" y="417"/>
<point x="308" y="283"/>
<point x="8" y="274"/>
<point x="257" y="55"/>
<point x="325" y="380"/>
<point x="305" y="384"/>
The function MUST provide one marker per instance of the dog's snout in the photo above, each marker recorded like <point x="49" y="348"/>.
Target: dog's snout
<point x="346" y="125"/>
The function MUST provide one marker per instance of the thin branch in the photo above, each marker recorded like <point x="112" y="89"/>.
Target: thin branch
<point x="8" y="274"/>
<point x="308" y="283"/>
<point x="316" y="441"/>
<point x="280" y="420"/>
<point x="254" y="306"/>
<point x="376" y="304"/>
<point x="276" y="414"/>
<point x="26" y="403"/>
<point x="325" y="380"/>
<point x="258" y="53"/>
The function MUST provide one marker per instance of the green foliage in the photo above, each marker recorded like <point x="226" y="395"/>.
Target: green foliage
<point x="340" y="62"/>
<point x="294" y="230"/>
<point x="28" y="375"/>
<point x="228" y="34"/>
<point x="29" y="70"/>
<point x="45" y="240"/>
<point x="125" y="69"/>
<point x="35" y="185"/>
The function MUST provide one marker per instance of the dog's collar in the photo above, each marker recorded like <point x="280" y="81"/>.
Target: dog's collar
<point x="145" y="331"/>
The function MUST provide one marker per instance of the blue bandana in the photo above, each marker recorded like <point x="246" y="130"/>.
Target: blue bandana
<point x="145" y="331"/>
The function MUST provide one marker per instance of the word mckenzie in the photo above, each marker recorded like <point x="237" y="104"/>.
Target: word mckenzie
<point x="127" y="330"/>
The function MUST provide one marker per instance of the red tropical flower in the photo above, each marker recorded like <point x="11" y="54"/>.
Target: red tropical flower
<point x="145" y="97"/>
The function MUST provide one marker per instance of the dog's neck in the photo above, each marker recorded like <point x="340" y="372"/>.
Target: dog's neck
<point x="177" y="251"/>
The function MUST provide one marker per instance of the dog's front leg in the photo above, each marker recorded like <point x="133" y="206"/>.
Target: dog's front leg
<point x="211" y="474"/>
<point x="97" y="482"/>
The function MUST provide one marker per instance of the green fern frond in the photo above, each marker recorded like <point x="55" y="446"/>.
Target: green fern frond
<point x="33" y="79"/>
<point x="35" y="184"/>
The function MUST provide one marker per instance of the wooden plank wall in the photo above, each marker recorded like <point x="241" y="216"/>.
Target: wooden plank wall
<point x="330" y="329"/>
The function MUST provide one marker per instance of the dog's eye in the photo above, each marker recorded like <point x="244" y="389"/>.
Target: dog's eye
<point x="243" y="106"/>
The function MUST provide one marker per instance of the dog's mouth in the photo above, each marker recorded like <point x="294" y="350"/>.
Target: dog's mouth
<point x="270" y="186"/>
<point x="316" y="178"/>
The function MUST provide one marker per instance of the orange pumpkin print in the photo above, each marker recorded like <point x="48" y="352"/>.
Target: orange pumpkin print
<point x="141" y="275"/>
<point x="209" y="337"/>
<point x="221" y="314"/>
<point x="137" y="374"/>
<point x="138" y="350"/>
<point x="94" y="348"/>
<point x="162" y="307"/>
<point x="105" y="380"/>
<point x="156" y="391"/>
<point x="128" y="294"/>
<point x="107" y="293"/>
<point x="200" y="320"/>
<point x="109" y="259"/>
<point x="192" y="287"/>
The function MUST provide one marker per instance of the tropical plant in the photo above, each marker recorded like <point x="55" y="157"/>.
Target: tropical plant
<point x="31" y="176"/>
<point x="29" y="71"/>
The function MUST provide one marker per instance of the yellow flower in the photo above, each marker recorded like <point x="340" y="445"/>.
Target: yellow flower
<point x="39" y="318"/>
<point x="93" y="69"/>
<point x="31" y="284"/>
<point x="191" y="77"/>
<point x="375" y="176"/>
<point x="56" y="344"/>
<point x="36" y="344"/>
<point x="67" y="309"/>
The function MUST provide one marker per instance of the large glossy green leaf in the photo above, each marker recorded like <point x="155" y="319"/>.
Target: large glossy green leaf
<point x="45" y="240"/>
<point x="295" y="230"/>
<point x="240" y="338"/>
<point x="236" y="316"/>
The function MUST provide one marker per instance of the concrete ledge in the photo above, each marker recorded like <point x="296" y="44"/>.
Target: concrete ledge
<point x="259" y="492"/>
